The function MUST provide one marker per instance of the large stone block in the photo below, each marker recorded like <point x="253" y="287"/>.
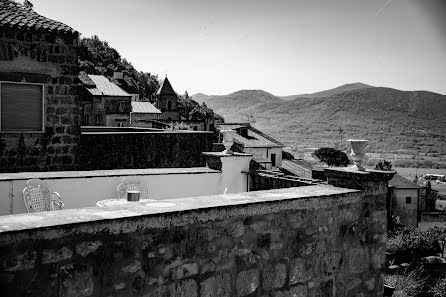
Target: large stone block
<point x="53" y="255"/>
<point x="184" y="271"/>
<point x="87" y="247"/>
<point x="76" y="281"/>
<point x="300" y="270"/>
<point x="216" y="286"/>
<point x="247" y="282"/>
<point x="358" y="260"/>
<point x="274" y="277"/>
<point x="183" y="288"/>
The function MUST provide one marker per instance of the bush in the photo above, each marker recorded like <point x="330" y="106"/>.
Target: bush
<point x="409" y="245"/>
<point x="332" y="157"/>
<point x="410" y="283"/>
<point x="439" y="289"/>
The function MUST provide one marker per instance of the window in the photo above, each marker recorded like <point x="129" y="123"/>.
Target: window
<point x="408" y="200"/>
<point x="169" y="105"/>
<point x="98" y="119"/>
<point x="21" y="107"/>
<point x="120" y="124"/>
<point x="121" y="106"/>
<point x="273" y="160"/>
<point x="86" y="120"/>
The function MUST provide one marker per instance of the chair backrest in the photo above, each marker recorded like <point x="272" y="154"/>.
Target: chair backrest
<point x="38" y="197"/>
<point x="132" y="184"/>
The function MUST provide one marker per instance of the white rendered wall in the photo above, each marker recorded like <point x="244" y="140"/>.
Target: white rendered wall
<point x="85" y="188"/>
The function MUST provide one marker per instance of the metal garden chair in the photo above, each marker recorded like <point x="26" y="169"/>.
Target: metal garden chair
<point x="38" y="197"/>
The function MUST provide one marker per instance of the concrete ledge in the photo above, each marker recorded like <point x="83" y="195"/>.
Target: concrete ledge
<point x="101" y="173"/>
<point x="225" y="155"/>
<point x="173" y="212"/>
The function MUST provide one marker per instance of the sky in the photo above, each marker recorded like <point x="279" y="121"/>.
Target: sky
<point x="284" y="47"/>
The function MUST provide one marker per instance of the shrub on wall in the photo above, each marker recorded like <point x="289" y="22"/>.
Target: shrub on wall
<point x="409" y="245"/>
<point x="439" y="289"/>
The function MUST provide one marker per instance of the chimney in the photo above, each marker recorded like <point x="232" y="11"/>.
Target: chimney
<point x="117" y="73"/>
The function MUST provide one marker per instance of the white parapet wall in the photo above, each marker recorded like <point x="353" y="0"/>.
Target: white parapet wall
<point x="85" y="188"/>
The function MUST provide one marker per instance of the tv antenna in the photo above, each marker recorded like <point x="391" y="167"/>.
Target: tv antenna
<point x="340" y="137"/>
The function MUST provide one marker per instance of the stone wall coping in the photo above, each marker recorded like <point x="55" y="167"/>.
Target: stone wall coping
<point x="225" y="155"/>
<point x="104" y="173"/>
<point x="147" y="132"/>
<point x="173" y="212"/>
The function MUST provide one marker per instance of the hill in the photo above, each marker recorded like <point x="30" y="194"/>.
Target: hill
<point x="331" y="92"/>
<point x="247" y="100"/>
<point x="393" y="120"/>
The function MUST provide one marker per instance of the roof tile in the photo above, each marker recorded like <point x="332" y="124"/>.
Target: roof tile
<point x="13" y="14"/>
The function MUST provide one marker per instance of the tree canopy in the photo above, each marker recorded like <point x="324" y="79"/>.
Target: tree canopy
<point x="332" y="157"/>
<point x="193" y="111"/>
<point x="98" y="57"/>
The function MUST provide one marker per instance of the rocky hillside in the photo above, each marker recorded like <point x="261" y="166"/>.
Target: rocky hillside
<point x="393" y="120"/>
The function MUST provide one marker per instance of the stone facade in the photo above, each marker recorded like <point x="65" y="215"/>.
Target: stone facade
<point x="310" y="241"/>
<point x="50" y="59"/>
<point x="101" y="151"/>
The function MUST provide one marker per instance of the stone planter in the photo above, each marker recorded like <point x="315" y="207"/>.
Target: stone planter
<point x="357" y="153"/>
<point x="228" y="140"/>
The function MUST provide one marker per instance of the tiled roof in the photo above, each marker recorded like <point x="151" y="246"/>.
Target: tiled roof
<point x="86" y="80"/>
<point x="400" y="182"/>
<point x="144" y="107"/>
<point x="104" y="87"/>
<point x="127" y="84"/>
<point x="15" y="15"/>
<point x="166" y="88"/>
<point x="255" y="137"/>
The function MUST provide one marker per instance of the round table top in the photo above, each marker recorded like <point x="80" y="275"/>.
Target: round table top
<point x="116" y="201"/>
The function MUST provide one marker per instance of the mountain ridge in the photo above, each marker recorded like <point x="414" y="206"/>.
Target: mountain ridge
<point x="391" y="119"/>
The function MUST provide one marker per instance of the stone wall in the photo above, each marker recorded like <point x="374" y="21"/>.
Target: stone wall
<point x="143" y="150"/>
<point x="51" y="60"/>
<point x="310" y="241"/>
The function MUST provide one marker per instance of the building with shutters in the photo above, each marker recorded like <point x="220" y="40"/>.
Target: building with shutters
<point x="103" y="102"/>
<point x="39" y="101"/>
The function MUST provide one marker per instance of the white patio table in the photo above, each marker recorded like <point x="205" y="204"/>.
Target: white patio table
<point x="111" y="202"/>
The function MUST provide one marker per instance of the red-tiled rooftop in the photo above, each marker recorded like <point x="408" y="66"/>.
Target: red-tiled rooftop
<point x="16" y="15"/>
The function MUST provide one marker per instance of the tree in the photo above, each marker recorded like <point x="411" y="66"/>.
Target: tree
<point x="384" y="165"/>
<point x="332" y="157"/>
<point x="98" y="57"/>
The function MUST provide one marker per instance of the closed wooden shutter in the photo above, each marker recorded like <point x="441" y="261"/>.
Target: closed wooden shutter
<point x="21" y="107"/>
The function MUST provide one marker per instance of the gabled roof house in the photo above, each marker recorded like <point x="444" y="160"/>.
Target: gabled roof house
<point x="104" y="103"/>
<point x="266" y="150"/>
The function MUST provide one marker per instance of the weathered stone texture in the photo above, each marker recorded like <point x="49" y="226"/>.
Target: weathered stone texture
<point x="257" y="249"/>
<point x="143" y="150"/>
<point x="247" y="282"/>
<point x="49" y="59"/>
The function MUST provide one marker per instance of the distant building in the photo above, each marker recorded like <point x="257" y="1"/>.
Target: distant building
<point x="404" y="200"/>
<point x="266" y="150"/>
<point x="103" y="102"/>
<point x="167" y="102"/>
<point x="142" y="113"/>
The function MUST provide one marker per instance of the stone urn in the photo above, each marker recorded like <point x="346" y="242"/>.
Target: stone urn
<point x="357" y="154"/>
<point x="228" y="140"/>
